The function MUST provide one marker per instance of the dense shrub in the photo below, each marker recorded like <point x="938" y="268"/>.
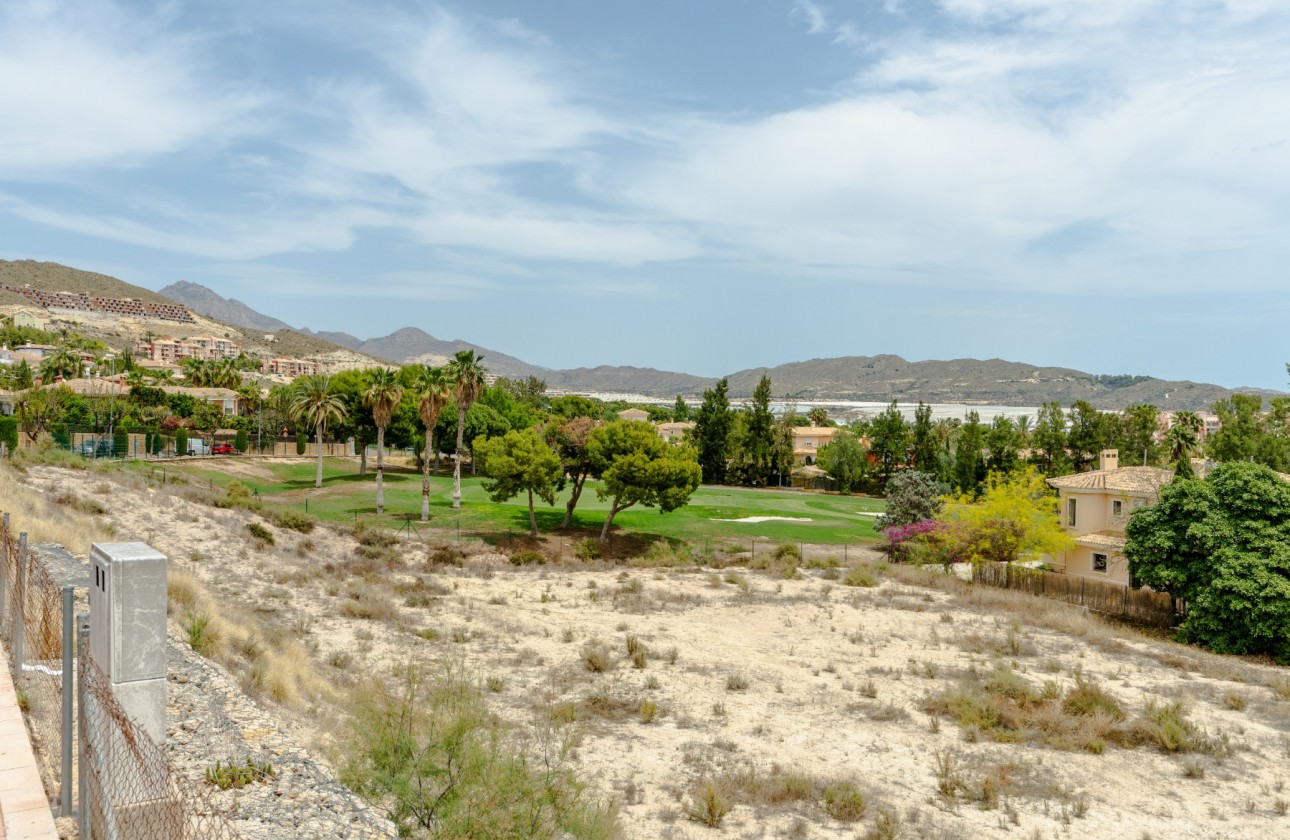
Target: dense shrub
<point x="9" y="432"/>
<point x="240" y="442"/>
<point x="586" y="549"/>
<point x="181" y="441"/>
<point x="293" y="519"/>
<point x="301" y="442"/>
<point x="528" y="557"/>
<point x="260" y="533"/>
<point x="1221" y="544"/>
<point x="429" y="753"/>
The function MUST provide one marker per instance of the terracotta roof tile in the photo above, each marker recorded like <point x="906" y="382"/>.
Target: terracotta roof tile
<point x="1124" y="479"/>
<point x="1102" y="539"/>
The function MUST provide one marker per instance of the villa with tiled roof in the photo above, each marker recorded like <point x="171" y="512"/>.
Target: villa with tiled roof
<point x="1095" y="506"/>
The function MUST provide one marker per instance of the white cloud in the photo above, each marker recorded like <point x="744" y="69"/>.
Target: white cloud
<point x="956" y="156"/>
<point x="85" y="83"/>
<point x="816" y="20"/>
<point x="543" y="235"/>
<point x="453" y="101"/>
<point x="207" y="234"/>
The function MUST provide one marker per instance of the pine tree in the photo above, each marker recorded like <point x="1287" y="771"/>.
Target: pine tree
<point x="712" y="432"/>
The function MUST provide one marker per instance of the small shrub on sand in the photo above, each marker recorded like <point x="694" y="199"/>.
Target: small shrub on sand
<point x="1165" y="725"/>
<point x="528" y="557"/>
<point x="292" y="519"/>
<point x="861" y="575"/>
<point x="708" y="805"/>
<point x="237" y="495"/>
<point x="844" y="801"/>
<point x="260" y="533"/>
<point x="587" y="549"/>
<point x="595" y="658"/>
<point x="662" y="555"/>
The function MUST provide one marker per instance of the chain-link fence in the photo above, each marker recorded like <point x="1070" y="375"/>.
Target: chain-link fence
<point x="131" y="790"/>
<point x="100" y="444"/>
<point x="34" y="604"/>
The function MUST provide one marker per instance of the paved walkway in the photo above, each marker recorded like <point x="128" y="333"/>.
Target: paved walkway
<point x="24" y="810"/>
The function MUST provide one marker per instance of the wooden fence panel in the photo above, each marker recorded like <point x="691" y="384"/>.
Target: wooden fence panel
<point x="1141" y="605"/>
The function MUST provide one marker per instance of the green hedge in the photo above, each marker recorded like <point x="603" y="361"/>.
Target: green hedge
<point x="9" y="432"/>
<point x="300" y="444"/>
<point x="181" y="441"/>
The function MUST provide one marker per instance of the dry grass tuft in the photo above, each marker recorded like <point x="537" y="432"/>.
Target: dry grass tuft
<point x="264" y="663"/>
<point x="45" y="520"/>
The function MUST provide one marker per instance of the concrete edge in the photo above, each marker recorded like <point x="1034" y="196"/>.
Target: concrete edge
<point x="23" y="806"/>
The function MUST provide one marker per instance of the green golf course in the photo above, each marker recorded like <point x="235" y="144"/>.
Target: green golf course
<point x="713" y="512"/>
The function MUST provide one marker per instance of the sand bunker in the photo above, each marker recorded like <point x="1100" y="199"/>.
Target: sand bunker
<point x="766" y="519"/>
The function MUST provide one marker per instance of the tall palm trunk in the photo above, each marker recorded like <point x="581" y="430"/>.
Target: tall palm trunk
<point x="456" y="457"/>
<point x="318" y="443"/>
<point x="380" y="468"/>
<point x="425" y="476"/>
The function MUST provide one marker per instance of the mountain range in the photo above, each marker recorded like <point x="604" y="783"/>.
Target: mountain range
<point x="859" y="378"/>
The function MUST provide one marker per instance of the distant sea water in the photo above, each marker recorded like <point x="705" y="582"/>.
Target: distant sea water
<point x="852" y="410"/>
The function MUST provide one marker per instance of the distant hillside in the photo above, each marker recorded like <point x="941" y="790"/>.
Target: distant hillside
<point x="52" y="277"/>
<point x="630" y="380"/>
<point x="122" y="332"/>
<point x="864" y="378"/>
<point x="412" y="344"/>
<point x="993" y="381"/>
<point x="344" y="339"/>
<point x="226" y="310"/>
<point x="408" y="345"/>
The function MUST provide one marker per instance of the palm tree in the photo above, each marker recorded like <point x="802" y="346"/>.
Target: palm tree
<point x="467" y="372"/>
<point x="225" y="373"/>
<point x="1023" y="426"/>
<point x="63" y="363"/>
<point x="313" y="401"/>
<point x="382" y="396"/>
<point x="432" y="386"/>
<point x="197" y="372"/>
<point x="1182" y="438"/>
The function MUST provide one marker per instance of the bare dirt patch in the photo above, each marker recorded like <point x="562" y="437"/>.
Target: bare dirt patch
<point x="768" y="707"/>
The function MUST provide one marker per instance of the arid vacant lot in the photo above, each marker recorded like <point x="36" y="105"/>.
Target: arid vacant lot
<point x="725" y="701"/>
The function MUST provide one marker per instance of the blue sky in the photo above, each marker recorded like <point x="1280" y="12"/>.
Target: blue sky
<point x="698" y="186"/>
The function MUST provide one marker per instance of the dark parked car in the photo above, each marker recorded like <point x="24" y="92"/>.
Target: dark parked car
<point x="223" y="448"/>
<point x="102" y="448"/>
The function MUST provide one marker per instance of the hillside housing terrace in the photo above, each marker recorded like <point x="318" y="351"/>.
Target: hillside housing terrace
<point x="80" y="302"/>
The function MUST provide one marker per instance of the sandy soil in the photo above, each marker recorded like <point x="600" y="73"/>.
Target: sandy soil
<point x="754" y="672"/>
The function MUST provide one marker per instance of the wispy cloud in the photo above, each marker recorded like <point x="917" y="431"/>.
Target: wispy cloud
<point x="89" y="84"/>
<point x="963" y="150"/>
<point x="816" y="20"/>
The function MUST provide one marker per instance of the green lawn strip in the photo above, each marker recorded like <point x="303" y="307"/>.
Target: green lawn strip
<point x="345" y="497"/>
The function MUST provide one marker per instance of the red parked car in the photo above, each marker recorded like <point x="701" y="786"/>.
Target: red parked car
<point x="223" y="448"/>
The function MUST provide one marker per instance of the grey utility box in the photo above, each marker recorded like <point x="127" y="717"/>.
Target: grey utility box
<point x="128" y="628"/>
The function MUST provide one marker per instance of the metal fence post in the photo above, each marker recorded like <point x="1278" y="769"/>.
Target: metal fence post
<point x="65" y="790"/>
<point x="82" y="789"/>
<point x="20" y="593"/>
